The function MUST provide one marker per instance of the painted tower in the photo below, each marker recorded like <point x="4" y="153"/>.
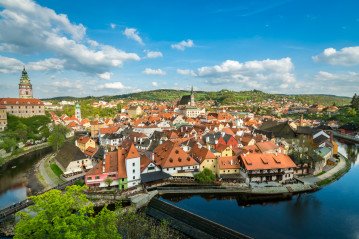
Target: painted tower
<point x="192" y="98"/>
<point x="25" y="87"/>
<point x="78" y="111"/>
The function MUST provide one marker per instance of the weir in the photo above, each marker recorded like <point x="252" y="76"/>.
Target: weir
<point x="189" y="223"/>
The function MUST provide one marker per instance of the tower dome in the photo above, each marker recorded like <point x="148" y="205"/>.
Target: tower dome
<point x="25" y="87"/>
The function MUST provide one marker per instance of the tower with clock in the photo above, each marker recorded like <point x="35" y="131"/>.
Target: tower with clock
<point x="25" y="87"/>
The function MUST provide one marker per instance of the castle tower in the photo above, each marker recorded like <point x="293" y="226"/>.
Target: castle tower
<point x="25" y="87"/>
<point x="192" y="98"/>
<point x="78" y="111"/>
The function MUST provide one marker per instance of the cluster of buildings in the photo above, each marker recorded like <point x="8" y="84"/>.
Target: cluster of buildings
<point x="149" y="143"/>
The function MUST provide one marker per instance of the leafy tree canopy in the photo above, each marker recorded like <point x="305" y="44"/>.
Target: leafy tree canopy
<point x="206" y="176"/>
<point x="68" y="214"/>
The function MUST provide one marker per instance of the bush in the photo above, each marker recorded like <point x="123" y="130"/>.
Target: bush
<point x="206" y="176"/>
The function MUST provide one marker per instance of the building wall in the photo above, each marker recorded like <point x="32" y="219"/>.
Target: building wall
<point x="133" y="171"/>
<point x="25" y="111"/>
<point x="122" y="183"/>
<point x="211" y="164"/>
<point x="3" y="119"/>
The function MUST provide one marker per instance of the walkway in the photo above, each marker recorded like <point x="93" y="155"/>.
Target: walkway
<point x="49" y="177"/>
<point x="315" y="179"/>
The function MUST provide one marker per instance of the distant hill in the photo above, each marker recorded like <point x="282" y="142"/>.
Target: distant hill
<point x="222" y="97"/>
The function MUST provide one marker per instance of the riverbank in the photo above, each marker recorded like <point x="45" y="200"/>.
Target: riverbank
<point x="25" y="151"/>
<point x="331" y="175"/>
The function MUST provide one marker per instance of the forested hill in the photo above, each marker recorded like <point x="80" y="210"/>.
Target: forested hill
<point x="222" y="97"/>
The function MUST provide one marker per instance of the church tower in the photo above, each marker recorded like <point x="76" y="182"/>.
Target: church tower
<point x="25" y="87"/>
<point x="78" y="111"/>
<point x="192" y="98"/>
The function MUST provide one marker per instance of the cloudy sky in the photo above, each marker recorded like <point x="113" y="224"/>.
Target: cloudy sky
<point x="88" y="47"/>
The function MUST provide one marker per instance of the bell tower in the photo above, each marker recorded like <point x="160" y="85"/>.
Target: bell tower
<point x="25" y="87"/>
<point x="192" y="98"/>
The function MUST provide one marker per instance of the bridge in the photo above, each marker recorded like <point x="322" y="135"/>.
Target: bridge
<point x="27" y="202"/>
<point x="347" y="137"/>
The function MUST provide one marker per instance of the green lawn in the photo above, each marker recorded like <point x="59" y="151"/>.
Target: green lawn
<point x="56" y="169"/>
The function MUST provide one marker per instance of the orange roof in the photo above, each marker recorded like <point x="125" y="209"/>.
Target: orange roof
<point x="20" y="101"/>
<point x="229" y="162"/>
<point x="121" y="164"/>
<point x="97" y="170"/>
<point x="169" y="155"/>
<point x="109" y="130"/>
<point x="111" y="162"/>
<point x="201" y="154"/>
<point x="266" y="146"/>
<point x="83" y="140"/>
<point x="228" y="131"/>
<point x="254" y="161"/>
<point x="90" y="151"/>
<point x="2" y="107"/>
<point x="145" y="161"/>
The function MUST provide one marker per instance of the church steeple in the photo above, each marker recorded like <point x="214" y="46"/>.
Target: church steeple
<point x="25" y="87"/>
<point x="192" y="98"/>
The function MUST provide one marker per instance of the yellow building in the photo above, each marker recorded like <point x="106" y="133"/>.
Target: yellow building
<point x="3" y="118"/>
<point x="84" y="142"/>
<point x="205" y="157"/>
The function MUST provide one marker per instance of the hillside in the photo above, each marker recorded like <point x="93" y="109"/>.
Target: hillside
<point x="222" y="97"/>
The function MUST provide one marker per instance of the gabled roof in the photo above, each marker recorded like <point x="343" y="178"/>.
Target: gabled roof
<point x="256" y="161"/>
<point x="68" y="153"/>
<point x="169" y="154"/>
<point x="83" y="140"/>
<point x="229" y="162"/>
<point x="201" y="154"/>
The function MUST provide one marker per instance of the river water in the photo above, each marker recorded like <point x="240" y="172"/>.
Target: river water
<point x="17" y="179"/>
<point x="332" y="212"/>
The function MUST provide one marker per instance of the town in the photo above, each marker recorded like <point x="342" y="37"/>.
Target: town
<point x="147" y="143"/>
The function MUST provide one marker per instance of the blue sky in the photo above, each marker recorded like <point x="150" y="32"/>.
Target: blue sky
<point x="82" y="48"/>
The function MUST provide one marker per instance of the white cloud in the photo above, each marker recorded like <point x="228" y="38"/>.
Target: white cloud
<point x="133" y="34"/>
<point x="27" y="27"/>
<point x="154" y="83"/>
<point x="113" y="25"/>
<point x="183" y="45"/>
<point x="154" y="54"/>
<point x="66" y="84"/>
<point x="114" y="86"/>
<point x="105" y="75"/>
<point x="186" y="72"/>
<point x="149" y="71"/>
<point x="11" y="65"/>
<point x="266" y="74"/>
<point x="346" y="56"/>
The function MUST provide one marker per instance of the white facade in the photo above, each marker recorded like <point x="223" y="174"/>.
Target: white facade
<point x="133" y="170"/>
<point x="151" y="167"/>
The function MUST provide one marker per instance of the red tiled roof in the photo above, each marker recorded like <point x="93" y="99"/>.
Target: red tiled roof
<point x="83" y="140"/>
<point x="169" y="155"/>
<point x="90" y="151"/>
<point x="20" y="101"/>
<point x="229" y="162"/>
<point x="145" y="161"/>
<point x="254" y="161"/>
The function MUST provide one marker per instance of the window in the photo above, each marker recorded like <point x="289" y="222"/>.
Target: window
<point x="133" y="177"/>
<point x="133" y="171"/>
<point x="133" y="164"/>
<point x="97" y="177"/>
<point x="89" y="178"/>
<point x="123" y="179"/>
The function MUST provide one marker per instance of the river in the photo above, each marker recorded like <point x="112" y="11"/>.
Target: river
<point x="17" y="179"/>
<point x="332" y="212"/>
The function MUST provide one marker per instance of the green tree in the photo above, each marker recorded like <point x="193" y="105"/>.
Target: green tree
<point x="108" y="181"/>
<point x="206" y="176"/>
<point x="68" y="214"/>
<point x="351" y="111"/>
<point x="8" y="144"/>
<point x="58" y="136"/>
<point x="355" y="102"/>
